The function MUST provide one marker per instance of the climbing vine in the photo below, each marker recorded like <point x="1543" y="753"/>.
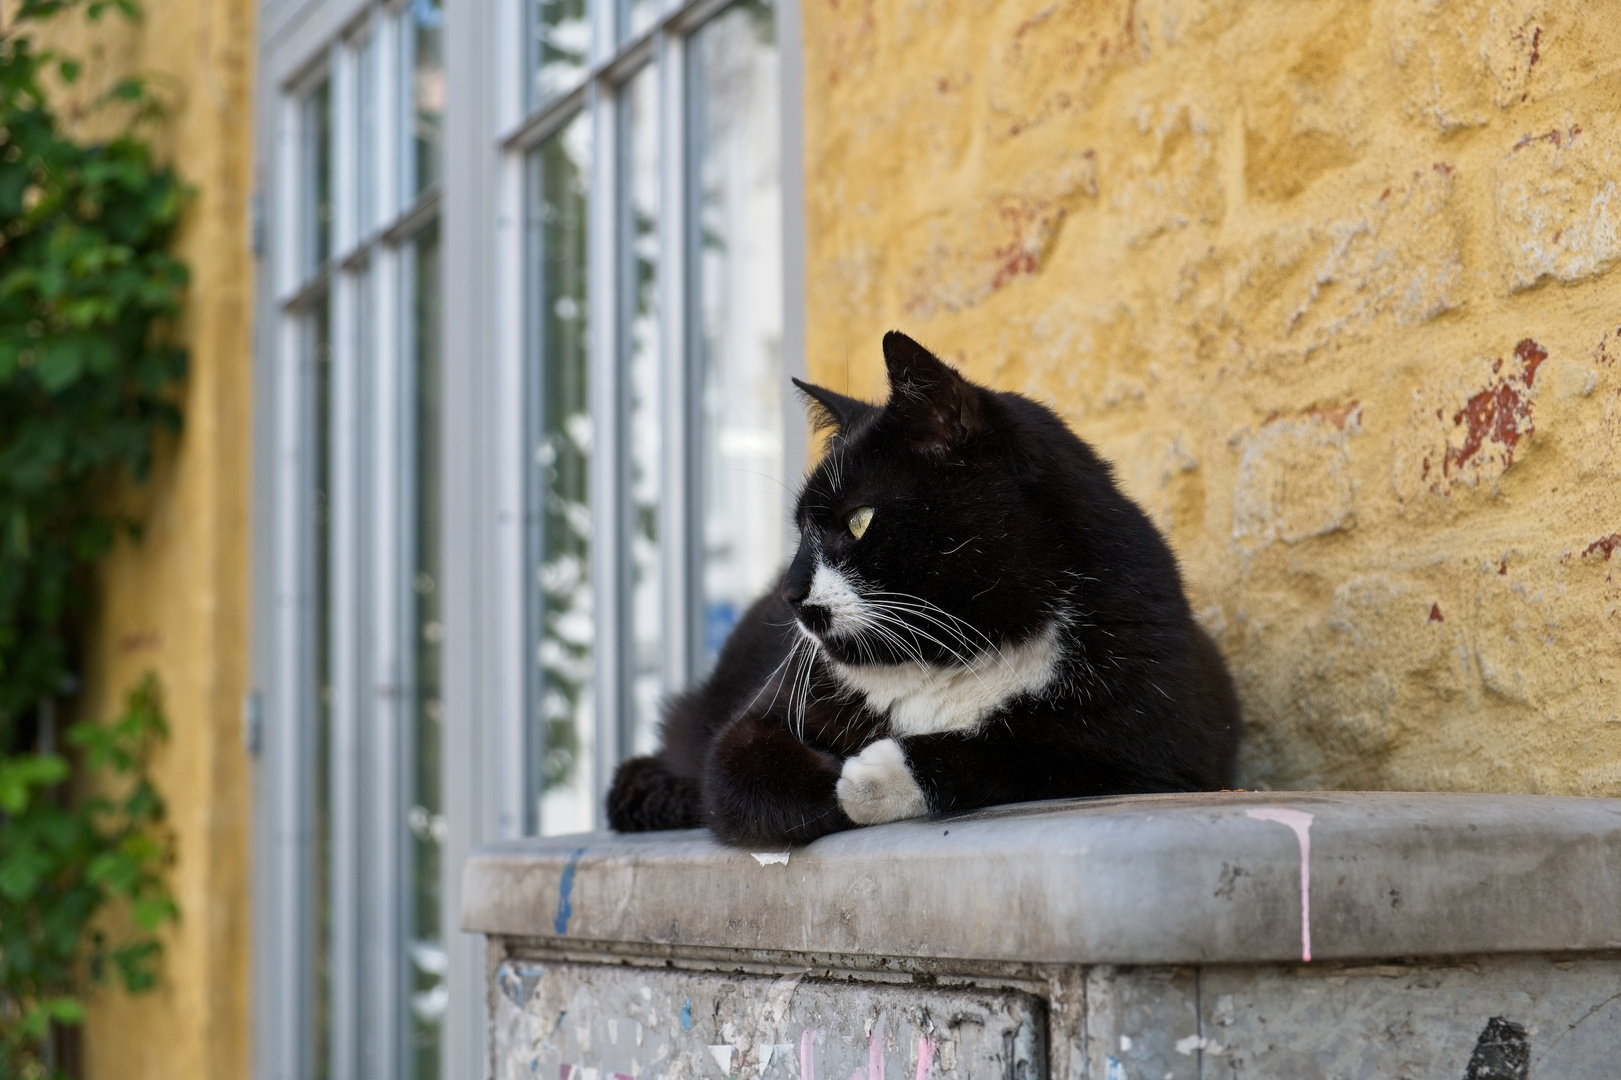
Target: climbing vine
<point x="89" y="293"/>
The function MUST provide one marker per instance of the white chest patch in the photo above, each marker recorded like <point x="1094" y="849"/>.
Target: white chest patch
<point x="927" y="699"/>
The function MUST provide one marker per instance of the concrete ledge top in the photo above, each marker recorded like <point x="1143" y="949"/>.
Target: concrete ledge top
<point x="1156" y="879"/>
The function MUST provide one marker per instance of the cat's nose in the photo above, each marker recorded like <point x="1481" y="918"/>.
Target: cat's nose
<point x="795" y="591"/>
<point x="814" y="617"/>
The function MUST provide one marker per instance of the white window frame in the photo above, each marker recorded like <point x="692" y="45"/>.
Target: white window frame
<point x="489" y="782"/>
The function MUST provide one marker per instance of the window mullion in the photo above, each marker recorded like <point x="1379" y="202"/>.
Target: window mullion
<point x="676" y="529"/>
<point x="344" y="638"/>
<point x="384" y="754"/>
<point x="607" y="422"/>
<point x="342" y="597"/>
<point x="381" y="753"/>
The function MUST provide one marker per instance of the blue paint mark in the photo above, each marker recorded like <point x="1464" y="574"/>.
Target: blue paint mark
<point x="686" y="1014"/>
<point x="1117" y="1071"/>
<point x="564" y="908"/>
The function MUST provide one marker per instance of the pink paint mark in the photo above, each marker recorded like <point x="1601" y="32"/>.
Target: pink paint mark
<point x="925" y="1059"/>
<point x="807" y="1054"/>
<point x="1300" y="822"/>
<point x="875" y="1052"/>
<point x="563" y="1071"/>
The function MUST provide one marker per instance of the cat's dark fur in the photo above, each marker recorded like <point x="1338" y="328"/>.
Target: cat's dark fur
<point x="997" y="538"/>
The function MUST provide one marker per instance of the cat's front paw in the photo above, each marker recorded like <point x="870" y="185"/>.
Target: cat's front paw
<point x="876" y="786"/>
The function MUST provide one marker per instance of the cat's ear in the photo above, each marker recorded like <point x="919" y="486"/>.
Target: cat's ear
<point x="829" y="409"/>
<point x="939" y="406"/>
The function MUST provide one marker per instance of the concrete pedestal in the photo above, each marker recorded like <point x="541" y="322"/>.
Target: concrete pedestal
<point x="1454" y="936"/>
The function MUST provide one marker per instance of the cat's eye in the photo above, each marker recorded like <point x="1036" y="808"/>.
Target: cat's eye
<point x="860" y="520"/>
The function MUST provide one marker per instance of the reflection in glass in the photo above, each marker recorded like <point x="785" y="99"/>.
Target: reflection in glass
<point x="745" y="503"/>
<point x="562" y="601"/>
<point x="318" y="354"/>
<point x="316" y="155"/>
<point x="425" y="813"/>
<point x="427" y="20"/>
<point x="559" y="46"/>
<point x="643" y="432"/>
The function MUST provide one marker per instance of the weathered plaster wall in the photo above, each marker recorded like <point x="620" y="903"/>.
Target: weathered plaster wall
<point x="1331" y="283"/>
<point x="177" y="602"/>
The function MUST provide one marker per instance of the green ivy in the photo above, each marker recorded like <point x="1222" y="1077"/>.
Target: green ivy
<point x="89" y="294"/>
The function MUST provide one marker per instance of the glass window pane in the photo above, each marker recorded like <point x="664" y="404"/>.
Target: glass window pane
<point x="644" y="432"/>
<point x="562" y="698"/>
<point x="635" y="16"/>
<point x="425" y="795"/>
<point x="427" y="102"/>
<point x="559" y="46"/>
<point x="318" y="354"/>
<point x="738" y="238"/>
<point x="366" y="136"/>
<point x="316" y="160"/>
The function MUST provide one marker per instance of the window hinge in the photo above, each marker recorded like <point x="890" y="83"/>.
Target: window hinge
<point x="256" y="224"/>
<point x="253" y="713"/>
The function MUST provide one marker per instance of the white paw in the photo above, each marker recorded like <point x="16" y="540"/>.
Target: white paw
<point x="876" y="786"/>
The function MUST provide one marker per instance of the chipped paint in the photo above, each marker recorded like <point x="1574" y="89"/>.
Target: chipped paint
<point x="771" y="858"/>
<point x="807" y="1054"/>
<point x="565" y="886"/>
<point x="1298" y="821"/>
<point x="1604" y="545"/>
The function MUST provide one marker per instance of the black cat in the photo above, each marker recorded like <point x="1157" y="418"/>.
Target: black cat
<point x="976" y="615"/>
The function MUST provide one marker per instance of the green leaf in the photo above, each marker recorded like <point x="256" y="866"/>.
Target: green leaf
<point x="20" y="775"/>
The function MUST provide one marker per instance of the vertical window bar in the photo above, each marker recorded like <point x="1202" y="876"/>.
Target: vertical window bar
<point x="383" y="849"/>
<point x="335" y="419"/>
<point x="382" y="853"/>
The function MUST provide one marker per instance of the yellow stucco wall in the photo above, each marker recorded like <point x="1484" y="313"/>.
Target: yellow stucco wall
<point x="178" y="602"/>
<point x="1329" y="282"/>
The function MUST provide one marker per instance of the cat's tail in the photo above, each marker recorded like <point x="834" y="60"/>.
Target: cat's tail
<point x="646" y="796"/>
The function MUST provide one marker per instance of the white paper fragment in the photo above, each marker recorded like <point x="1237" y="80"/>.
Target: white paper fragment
<point x="767" y="858"/>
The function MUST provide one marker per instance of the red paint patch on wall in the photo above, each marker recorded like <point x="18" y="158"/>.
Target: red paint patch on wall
<point x="1033" y="226"/>
<point x="1500" y="414"/>
<point x="1435" y="613"/>
<point x="1531" y="357"/>
<point x="1605" y="544"/>
<point x="1556" y="137"/>
<point x="1338" y="415"/>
